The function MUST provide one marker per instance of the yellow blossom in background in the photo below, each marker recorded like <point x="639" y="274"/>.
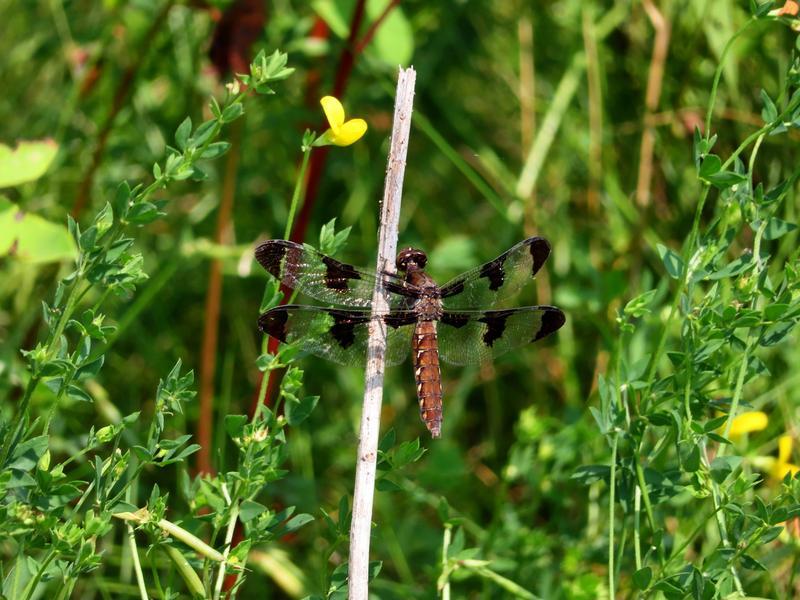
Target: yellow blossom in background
<point x="782" y="466"/>
<point x="748" y="422"/>
<point x="341" y="132"/>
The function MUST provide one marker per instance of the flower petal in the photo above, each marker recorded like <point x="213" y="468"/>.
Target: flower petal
<point x="350" y="132"/>
<point x="747" y="422"/>
<point x="334" y="111"/>
<point x="784" y="449"/>
<point x="780" y="470"/>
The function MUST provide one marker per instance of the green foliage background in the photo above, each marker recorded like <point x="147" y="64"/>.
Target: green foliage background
<point x="521" y="475"/>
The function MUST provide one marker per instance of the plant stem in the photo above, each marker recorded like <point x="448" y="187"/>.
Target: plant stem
<point x="446" y="538"/>
<point x="720" y="518"/>
<point x="31" y="587"/>
<point x="363" y="494"/>
<point x="298" y="187"/>
<point x="611" y="499"/>
<point x="228" y="538"/>
<point x="718" y="74"/>
<point x="137" y="566"/>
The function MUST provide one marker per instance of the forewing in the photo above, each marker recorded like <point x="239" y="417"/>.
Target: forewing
<point x="339" y="335"/>
<point x="470" y="337"/>
<point x="300" y="267"/>
<point x="500" y="278"/>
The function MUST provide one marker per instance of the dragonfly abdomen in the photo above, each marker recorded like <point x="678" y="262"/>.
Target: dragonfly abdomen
<point x="427" y="375"/>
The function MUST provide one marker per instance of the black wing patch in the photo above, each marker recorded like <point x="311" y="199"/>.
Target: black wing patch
<point x="470" y="337"/>
<point x="336" y="334"/>
<point x="499" y="278"/>
<point x="300" y="267"/>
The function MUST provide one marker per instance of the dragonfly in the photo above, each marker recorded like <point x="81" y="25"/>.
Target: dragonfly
<point x="454" y="322"/>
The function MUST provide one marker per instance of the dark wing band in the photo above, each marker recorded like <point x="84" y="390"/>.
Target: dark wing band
<point x="339" y="335"/>
<point x="300" y="267"/>
<point x="499" y="278"/>
<point x="470" y="337"/>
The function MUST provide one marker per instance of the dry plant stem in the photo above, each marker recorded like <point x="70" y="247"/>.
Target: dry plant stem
<point x="595" y="91"/>
<point x="361" y="524"/>
<point x="564" y="93"/>
<point x="655" y="79"/>
<point x="527" y="109"/>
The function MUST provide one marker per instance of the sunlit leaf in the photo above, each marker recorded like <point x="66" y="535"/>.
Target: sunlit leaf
<point x="27" y="162"/>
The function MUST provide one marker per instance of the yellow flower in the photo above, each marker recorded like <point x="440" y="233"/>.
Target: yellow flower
<point x="748" y="422"/>
<point x="341" y="132"/>
<point x="782" y="466"/>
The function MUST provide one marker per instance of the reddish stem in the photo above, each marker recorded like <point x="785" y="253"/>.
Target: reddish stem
<point x="315" y="168"/>
<point x="208" y="356"/>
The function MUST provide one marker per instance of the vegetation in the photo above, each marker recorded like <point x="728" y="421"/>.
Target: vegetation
<point x="644" y="451"/>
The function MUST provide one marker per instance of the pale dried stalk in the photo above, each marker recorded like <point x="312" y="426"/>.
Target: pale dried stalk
<point x="655" y="80"/>
<point x="361" y="524"/>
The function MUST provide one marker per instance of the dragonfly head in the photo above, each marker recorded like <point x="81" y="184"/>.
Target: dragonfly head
<point x="411" y="259"/>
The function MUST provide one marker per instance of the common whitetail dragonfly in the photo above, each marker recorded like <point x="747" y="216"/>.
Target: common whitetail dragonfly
<point x="469" y="333"/>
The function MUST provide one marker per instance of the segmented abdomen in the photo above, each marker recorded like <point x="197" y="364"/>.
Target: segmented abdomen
<point x="429" y="379"/>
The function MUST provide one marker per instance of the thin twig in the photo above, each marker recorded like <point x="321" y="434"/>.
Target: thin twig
<point x="361" y="523"/>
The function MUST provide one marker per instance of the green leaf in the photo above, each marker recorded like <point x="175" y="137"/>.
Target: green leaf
<point x="760" y="10"/>
<point x="234" y="425"/>
<point x="249" y="510"/>
<point x="87" y="239"/>
<point x="770" y="534"/>
<point x="232" y="112"/>
<point x="76" y="393"/>
<point x="142" y="213"/>
<point x="183" y="132"/>
<point x="723" y="466"/>
<point x="748" y="562"/>
<point x="588" y="474"/>
<point x="777" y="228"/>
<point x="27" y="454"/>
<point x="769" y="113"/>
<point x="638" y="306"/>
<point x="691" y="459"/>
<point x="711" y="164"/>
<point x="104" y="220"/>
<point x="387" y="441"/>
<point x="726" y="179"/>
<point x="297" y="412"/>
<point x="776" y="332"/>
<point x="773" y="312"/>
<point x="31" y="239"/>
<point x="735" y="267"/>
<point x="714" y="424"/>
<point x="297" y="522"/>
<point x="90" y="369"/>
<point x="204" y="132"/>
<point x="27" y="162"/>
<point x="387" y="485"/>
<point x="407" y="453"/>
<point x="122" y="199"/>
<point x="642" y="577"/>
<point x="672" y="262"/>
<point x="394" y="39"/>
<point x="216" y="150"/>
